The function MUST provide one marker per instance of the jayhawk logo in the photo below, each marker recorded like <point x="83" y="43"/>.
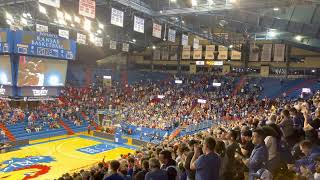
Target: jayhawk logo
<point x="25" y="168"/>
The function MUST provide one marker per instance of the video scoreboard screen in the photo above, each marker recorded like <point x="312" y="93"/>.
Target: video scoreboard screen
<point x="35" y="71"/>
<point x="44" y="45"/>
<point x="5" y="41"/>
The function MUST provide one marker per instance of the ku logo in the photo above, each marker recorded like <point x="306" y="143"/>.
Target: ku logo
<point x="26" y="168"/>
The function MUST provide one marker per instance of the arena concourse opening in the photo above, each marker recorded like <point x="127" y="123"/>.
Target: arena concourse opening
<point x="159" y="90"/>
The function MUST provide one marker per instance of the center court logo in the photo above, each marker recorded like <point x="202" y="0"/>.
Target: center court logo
<point x="21" y="163"/>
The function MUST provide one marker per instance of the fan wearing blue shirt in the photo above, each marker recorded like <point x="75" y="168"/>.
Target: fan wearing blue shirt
<point x="207" y="165"/>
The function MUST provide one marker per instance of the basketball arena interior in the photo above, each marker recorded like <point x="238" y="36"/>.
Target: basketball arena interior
<point x="160" y="89"/>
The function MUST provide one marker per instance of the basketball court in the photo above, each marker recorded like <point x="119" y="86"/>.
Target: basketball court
<point x="50" y="158"/>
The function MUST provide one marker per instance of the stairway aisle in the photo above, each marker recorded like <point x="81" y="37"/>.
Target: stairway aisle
<point x="66" y="127"/>
<point x="7" y="132"/>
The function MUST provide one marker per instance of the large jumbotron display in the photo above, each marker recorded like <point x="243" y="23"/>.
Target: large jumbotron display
<point x="41" y="72"/>
<point x="33" y="61"/>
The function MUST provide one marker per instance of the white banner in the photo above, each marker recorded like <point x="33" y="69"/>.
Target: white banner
<point x="64" y="33"/>
<point x="279" y="52"/>
<point x="209" y="52"/>
<point x="125" y="47"/>
<point x="235" y="55"/>
<point x="98" y="41"/>
<point x="195" y="43"/>
<point x="54" y="3"/>
<point x="41" y="28"/>
<point x="156" y="54"/>
<point x="223" y="52"/>
<point x="138" y="24"/>
<point x="172" y="35"/>
<point x="186" y="52"/>
<point x="87" y="8"/>
<point x="185" y="40"/>
<point x="116" y="17"/>
<point x="266" y="52"/>
<point x="113" y="44"/>
<point x="156" y="30"/>
<point x="200" y="63"/>
<point x="197" y="52"/>
<point x="81" y="38"/>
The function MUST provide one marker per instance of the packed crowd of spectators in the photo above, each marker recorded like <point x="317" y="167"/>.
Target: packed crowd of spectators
<point x="138" y="104"/>
<point x="252" y="137"/>
<point x="276" y="139"/>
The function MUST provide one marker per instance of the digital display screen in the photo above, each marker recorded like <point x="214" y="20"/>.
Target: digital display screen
<point x="44" y="45"/>
<point x="3" y="36"/>
<point x="5" y="70"/>
<point x="41" y="72"/>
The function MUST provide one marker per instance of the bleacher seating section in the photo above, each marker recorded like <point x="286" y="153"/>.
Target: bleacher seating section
<point x="271" y="88"/>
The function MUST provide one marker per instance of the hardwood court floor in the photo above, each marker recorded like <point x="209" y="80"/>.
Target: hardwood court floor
<point x="48" y="159"/>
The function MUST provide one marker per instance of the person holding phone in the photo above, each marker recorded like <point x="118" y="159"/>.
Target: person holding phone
<point x="207" y="166"/>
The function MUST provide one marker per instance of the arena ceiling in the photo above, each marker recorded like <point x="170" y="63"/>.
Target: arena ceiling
<point x="293" y="21"/>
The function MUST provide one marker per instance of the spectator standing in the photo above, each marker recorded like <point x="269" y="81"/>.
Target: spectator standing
<point x="155" y="172"/>
<point x="259" y="155"/>
<point x="145" y="169"/>
<point x="114" y="175"/>
<point x="207" y="166"/>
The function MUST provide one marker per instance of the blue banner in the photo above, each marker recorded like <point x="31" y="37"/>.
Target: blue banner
<point x="44" y="45"/>
<point x="5" y="41"/>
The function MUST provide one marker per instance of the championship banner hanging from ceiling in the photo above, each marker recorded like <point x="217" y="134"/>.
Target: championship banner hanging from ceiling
<point x="254" y="53"/>
<point x="156" y="54"/>
<point x="197" y="52"/>
<point x="235" y="55"/>
<point x="116" y="17"/>
<point x="210" y="51"/>
<point x="64" y="33"/>
<point x="186" y="52"/>
<point x="54" y="3"/>
<point x="81" y="38"/>
<point x="125" y="47"/>
<point x="196" y="43"/>
<point x="165" y="53"/>
<point x="138" y="24"/>
<point x="87" y="8"/>
<point x="41" y="28"/>
<point x="279" y="52"/>
<point x="156" y="32"/>
<point x="173" y="53"/>
<point x="113" y="44"/>
<point x="185" y="40"/>
<point x="98" y="41"/>
<point x="266" y="52"/>
<point x="223" y="53"/>
<point x="172" y="35"/>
